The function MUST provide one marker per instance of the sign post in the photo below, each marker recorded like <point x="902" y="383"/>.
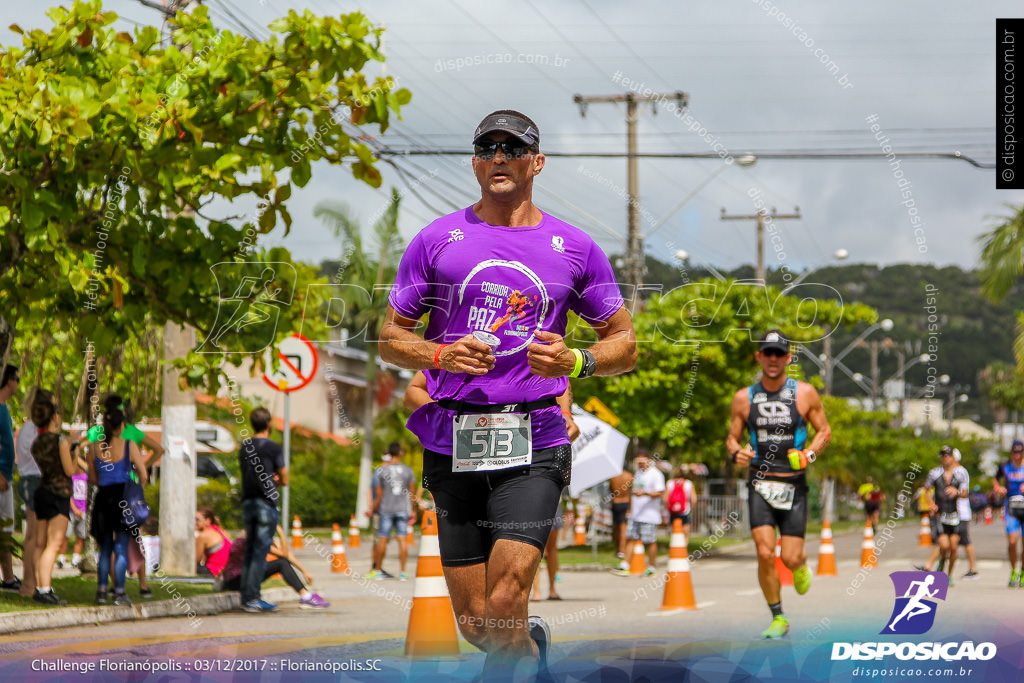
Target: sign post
<point x="297" y="368"/>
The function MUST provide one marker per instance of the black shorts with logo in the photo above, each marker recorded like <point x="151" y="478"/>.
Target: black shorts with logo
<point x="792" y="522"/>
<point x="475" y="509"/>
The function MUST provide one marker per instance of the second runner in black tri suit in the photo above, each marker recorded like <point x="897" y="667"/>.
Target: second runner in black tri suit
<point x="775" y="412"/>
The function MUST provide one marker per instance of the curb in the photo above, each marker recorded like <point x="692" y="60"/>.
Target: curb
<point x="16" y="622"/>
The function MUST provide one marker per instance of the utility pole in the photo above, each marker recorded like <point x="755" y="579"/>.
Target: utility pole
<point x="828" y="360"/>
<point x="760" y="217"/>
<point x="178" y="424"/>
<point x="634" y="242"/>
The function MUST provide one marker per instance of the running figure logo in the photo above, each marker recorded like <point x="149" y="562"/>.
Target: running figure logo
<point x="916" y="593"/>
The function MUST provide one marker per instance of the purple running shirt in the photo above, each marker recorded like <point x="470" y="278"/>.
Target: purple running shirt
<point x="468" y="275"/>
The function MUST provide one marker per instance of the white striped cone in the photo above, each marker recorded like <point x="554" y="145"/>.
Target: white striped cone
<point x="296" y="532"/>
<point x="353" y="533"/>
<point x="339" y="563"/>
<point x="827" y="553"/>
<point x="867" y="548"/>
<point x="580" y="532"/>
<point x="638" y="563"/>
<point x="432" y="630"/>
<point x="925" y="539"/>
<point x="678" y="584"/>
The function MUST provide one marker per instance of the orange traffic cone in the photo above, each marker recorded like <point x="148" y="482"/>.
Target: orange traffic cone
<point x="410" y="538"/>
<point x="988" y="515"/>
<point x="339" y="563"/>
<point x="638" y="563"/>
<point x="678" y="584"/>
<point x="296" y="532"/>
<point x="580" y="537"/>
<point x="827" y="553"/>
<point x="925" y="539"/>
<point x="432" y="630"/>
<point x="353" y="533"/>
<point x="784" y="572"/>
<point x="867" y="548"/>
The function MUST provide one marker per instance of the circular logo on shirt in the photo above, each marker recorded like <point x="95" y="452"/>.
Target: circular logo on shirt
<point x="505" y="299"/>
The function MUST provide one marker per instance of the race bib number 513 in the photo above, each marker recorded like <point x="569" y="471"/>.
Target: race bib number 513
<point x="495" y="441"/>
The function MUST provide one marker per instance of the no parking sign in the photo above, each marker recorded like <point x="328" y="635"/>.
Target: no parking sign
<point x="297" y="364"/>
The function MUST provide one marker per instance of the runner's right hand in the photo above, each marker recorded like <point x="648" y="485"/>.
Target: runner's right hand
<point x="744" y="456"/>
<point x="468" y="355"/>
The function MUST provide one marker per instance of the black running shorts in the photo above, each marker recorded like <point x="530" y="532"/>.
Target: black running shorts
<point x="792" y="522"/>
<point x="475" y="509"/>
<point x="619" y="511"/>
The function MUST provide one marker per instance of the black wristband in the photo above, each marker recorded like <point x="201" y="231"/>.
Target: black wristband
<point x="733" y="456"/>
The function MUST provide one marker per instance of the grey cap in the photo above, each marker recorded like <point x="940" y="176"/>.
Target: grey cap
<point x="512" y="124"/>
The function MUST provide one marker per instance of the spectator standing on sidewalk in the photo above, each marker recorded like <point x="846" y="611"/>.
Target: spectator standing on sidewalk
<point x="261" y="462"/>
<point x="8" y="385"/>
<point x="77" y="528"/>
<point x="28" y="481"/>
<point x="396" y="489"/>
<point x="52" y="452"/>
<point x="646" y="510"/>
<point x="110" y="463"/>
<point x="679" y="499"/>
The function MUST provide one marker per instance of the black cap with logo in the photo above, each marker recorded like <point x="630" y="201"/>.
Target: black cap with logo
<point x="513" y="123"/>
<point x="946" y="450"/>
<point x="773" y="339"/>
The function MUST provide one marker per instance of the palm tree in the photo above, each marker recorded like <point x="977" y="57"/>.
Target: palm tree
<point x="1002" y="258"/>
<point x="372" y="270"/>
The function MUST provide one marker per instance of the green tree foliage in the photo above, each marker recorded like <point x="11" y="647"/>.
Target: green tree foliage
<point x="1002" y="265"/>
<point x="695" y="351"/>
<point x="113" y="147"/>
<point x="362" y="281"/>
<point x="973" y="331"/>
<point x="864" y="444"/>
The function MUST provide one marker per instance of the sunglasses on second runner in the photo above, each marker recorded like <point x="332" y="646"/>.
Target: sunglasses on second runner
<point x="774" y="353"/>
<point x="512" y="150"/>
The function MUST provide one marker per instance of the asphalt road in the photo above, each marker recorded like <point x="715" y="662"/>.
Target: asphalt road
<point x="602" y="619"/>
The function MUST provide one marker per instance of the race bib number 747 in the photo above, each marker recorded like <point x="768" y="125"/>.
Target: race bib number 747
<point x="494" y="441"/>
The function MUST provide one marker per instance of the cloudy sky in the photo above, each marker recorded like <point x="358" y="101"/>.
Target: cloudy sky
<point x="758" y="79"/>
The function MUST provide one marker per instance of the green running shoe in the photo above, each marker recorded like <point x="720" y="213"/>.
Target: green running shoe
<point x="1014" y="578"/>
<point x="802" y="579"/>
<point x="778" y="629"/>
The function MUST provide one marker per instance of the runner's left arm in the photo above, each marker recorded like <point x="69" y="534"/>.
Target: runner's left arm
<point x="614" y="353"/>
<point x="816" y="416"/>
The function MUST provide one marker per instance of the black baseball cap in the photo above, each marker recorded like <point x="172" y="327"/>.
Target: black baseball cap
<point x="946" y="450"/>
<point x="512" y="122"/>
<point x="773" y="339"/>
<point x="1018" y="445"/>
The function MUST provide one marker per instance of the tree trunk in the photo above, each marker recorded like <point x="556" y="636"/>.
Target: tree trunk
<point x="37" y="378"/>
<point x="58" y="383"/>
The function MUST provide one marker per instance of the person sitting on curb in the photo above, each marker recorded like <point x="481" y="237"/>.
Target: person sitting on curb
<point x="212" y="545"/>
<point x="280" y="561"/>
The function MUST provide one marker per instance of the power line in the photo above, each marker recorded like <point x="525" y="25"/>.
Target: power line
<point x="812" y="156"/>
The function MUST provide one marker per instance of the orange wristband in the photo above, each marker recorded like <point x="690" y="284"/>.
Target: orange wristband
<point x="437" y="356"/>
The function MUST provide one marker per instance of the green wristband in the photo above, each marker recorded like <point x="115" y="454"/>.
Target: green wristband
<point x="579" y="363"/>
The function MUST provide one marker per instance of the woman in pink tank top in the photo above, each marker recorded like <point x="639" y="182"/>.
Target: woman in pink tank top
<point x="212" y="545"/>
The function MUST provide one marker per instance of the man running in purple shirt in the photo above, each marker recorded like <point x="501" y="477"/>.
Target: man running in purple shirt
<point x="497" y="281"/>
